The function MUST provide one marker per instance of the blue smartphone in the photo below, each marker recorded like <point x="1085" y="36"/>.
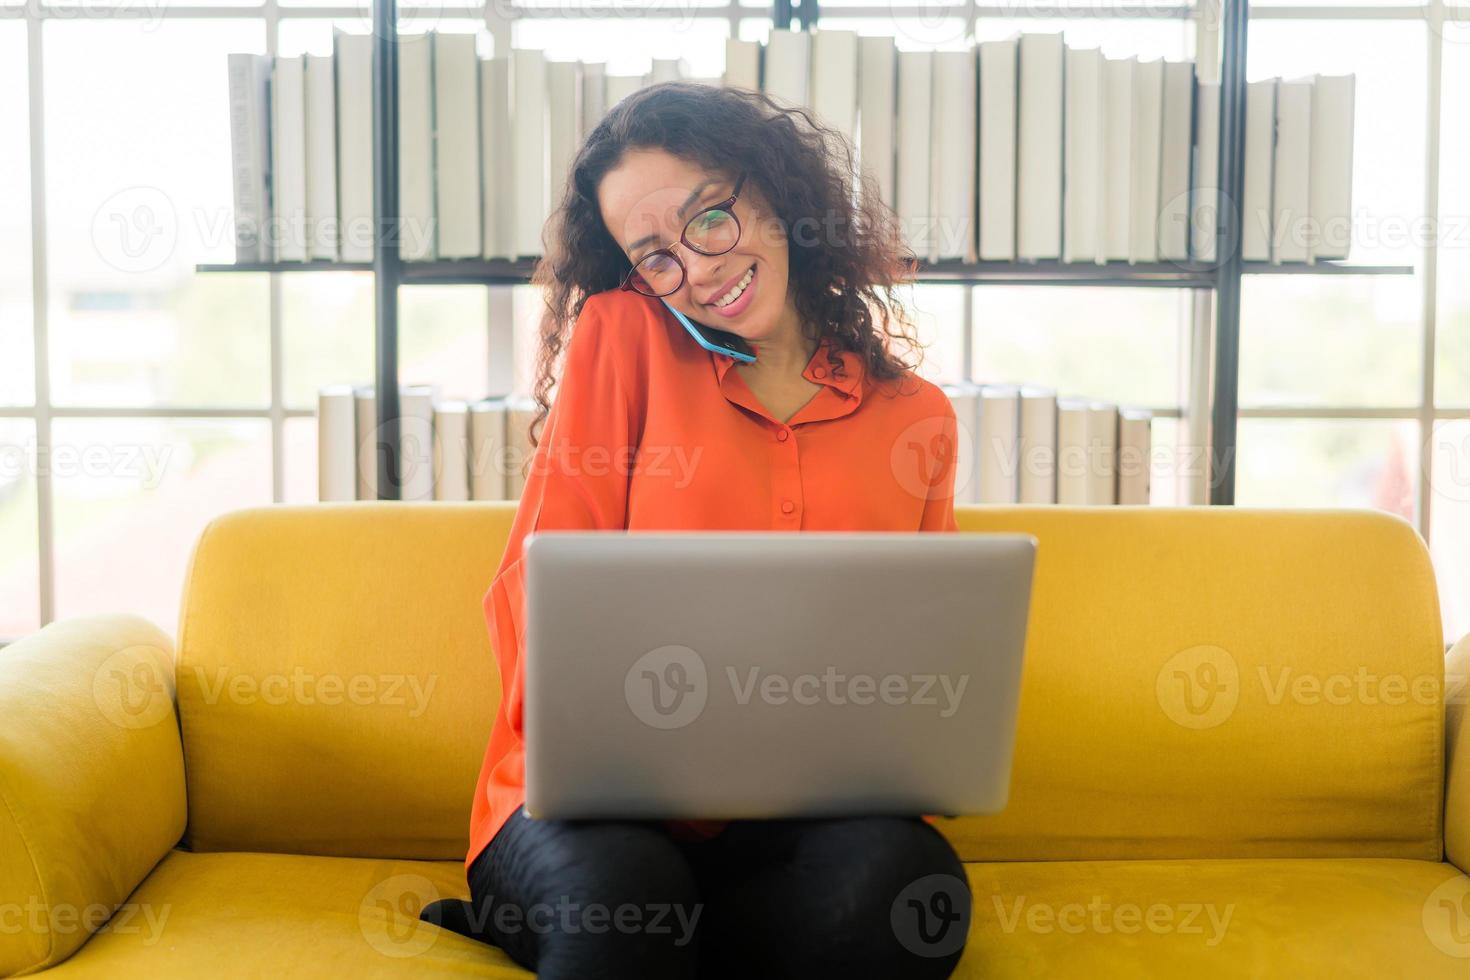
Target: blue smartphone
<point x="724" y="342"/>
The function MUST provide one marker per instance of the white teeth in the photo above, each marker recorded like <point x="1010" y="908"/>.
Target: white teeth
<point x="734" y="294"/>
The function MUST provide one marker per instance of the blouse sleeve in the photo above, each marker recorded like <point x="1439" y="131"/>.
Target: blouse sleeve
<point x="577" y="480"/>
<point x="938" y="514"/>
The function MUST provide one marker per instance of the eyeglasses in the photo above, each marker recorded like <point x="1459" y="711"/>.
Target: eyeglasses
<point x="713" y="231"/>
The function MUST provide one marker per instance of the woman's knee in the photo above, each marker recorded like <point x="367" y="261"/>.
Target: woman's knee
<point x="593" y="899"/>
<point x="891" y="900"/>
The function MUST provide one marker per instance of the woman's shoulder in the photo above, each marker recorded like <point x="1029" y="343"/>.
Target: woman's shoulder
<point x="619" y="321"/>
<point x="919" y="395"/>
<point x="620" y="310"/>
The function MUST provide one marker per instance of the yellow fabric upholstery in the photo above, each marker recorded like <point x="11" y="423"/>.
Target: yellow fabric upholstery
<point x="1457" y="760"/>
<point x="287" y="915"/>
<point x="1331" y="918"/>
<point x="276" y="915"/>
<point x="1231" y="729"/>
<point x="91" y="779"/>
<point x="336" y="686"/>
<point x="1320" y="633"/>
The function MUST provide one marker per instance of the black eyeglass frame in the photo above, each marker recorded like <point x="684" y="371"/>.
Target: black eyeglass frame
<point x="727" y="205"/>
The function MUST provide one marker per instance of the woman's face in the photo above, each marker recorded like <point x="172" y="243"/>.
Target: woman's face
<point x="646" y="202"/>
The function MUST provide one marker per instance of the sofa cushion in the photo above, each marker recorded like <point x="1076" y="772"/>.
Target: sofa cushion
<point x="1222" y="682"/>
<point x="1199" y="682"/>
<point x="1238" y="918"/>
<point x="280" y="915"/>
<point x="274" y="915"/>
<point x="335" y="682"/>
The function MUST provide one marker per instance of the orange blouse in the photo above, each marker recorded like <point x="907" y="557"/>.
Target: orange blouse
<point x="649" y="431"/>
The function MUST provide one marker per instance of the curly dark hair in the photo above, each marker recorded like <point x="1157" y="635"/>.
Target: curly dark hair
<point x="844" y="278"/>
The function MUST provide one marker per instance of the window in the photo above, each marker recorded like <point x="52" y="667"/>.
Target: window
<point x="166" y="397"/>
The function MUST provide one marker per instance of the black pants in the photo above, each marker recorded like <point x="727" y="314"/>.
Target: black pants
<point x="880" y="897"/>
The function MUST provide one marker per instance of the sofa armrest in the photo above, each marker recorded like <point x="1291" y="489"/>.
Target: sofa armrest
<point x="1457" y="755"/>
<point x="91" y="779"/>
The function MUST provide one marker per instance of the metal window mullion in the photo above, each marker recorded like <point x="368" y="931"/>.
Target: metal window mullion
<point x="1434" y="59"/>
<point x="40" y="311"/>
<point x="277" y="413"/>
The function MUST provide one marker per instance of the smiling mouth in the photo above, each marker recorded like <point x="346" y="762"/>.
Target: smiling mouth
<point x="736" y="291"/>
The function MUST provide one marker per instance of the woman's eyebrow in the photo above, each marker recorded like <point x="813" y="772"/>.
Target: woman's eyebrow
<point x="699" y="190"/>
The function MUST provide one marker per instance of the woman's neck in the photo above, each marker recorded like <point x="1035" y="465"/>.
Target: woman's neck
<point x="785" y="352"/>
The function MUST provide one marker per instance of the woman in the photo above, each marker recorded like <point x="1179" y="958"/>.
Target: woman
<point x="738" y="214"/>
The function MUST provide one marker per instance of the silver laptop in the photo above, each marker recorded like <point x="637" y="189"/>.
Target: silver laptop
<point x="735" y="674"/>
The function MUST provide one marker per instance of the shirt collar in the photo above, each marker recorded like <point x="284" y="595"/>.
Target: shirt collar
<point x="818" y="370"/>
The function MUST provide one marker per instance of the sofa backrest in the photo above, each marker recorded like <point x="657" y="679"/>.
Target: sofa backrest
<point x="336" y="686"/>
<point x="1222" y="682"/>
<point x="1198" y="682"/>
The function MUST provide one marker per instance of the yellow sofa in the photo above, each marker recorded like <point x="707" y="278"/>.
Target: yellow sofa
<point x="1231" y="758"/>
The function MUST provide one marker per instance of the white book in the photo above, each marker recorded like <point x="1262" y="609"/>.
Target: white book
<point x="336" y="444"/>
<point x="520" y="412"/>
<point x="1117" y="179"/>
<point x="250" y="117"/>
<point x="911" y="189"/>
<point x="1174" y="163"/>
<point x="999" y="444"/>
<point x="996" y="222"/>
<point x="528" y="127"/>
<point x="1073" y="482"/>
<point x="877" y="108"/>
<point x="497" y="189"/>
<point x="288" y="152"/>
<point x="1260" y="148"/>
<point x="619" y="87"/>
<point x="965" y="399"/>
<point x="1204" y="207"/>
<point x="1102" y="453"/>
<point x="416" y="441"/>
<point x="457" y="184"/>
<point x="1039" y="148"/>
<point x="788" y="67"/>
<point x="1036" y="449"/>
<point x="451" y="451"/>
<point x="594" y="97"/>
<point x="353" y="54"/>
<point x="487" y="449"/>
<point x="365" y="398"/>
<point x="1291" y="200"/>
<point x="416" y="147"/>
<point x="834" y="81"/>
<point x="563" y="122"/>
<point x="953" y="175"/>
<point x="668" y="70"/>
<point x="1135" y="456"/>
<point x="1081" y="189"/>
<point x="742" y="64"/>
<point x="1331" y="182"/>
<point x="321" y="158"/>
<point x="1148" y="124"/>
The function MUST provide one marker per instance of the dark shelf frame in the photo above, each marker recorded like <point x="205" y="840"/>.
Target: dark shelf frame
<point x="1169" y="275"/>
<point x="1224" y="278"/>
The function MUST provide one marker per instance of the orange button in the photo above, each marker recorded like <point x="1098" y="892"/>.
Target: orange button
<point x="783" y="435"/>
<point x="820" y="372"/>
<point x="787" y="507"/>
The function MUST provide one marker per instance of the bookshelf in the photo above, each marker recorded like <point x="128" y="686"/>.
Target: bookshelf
<point x="1221" y="280"/>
